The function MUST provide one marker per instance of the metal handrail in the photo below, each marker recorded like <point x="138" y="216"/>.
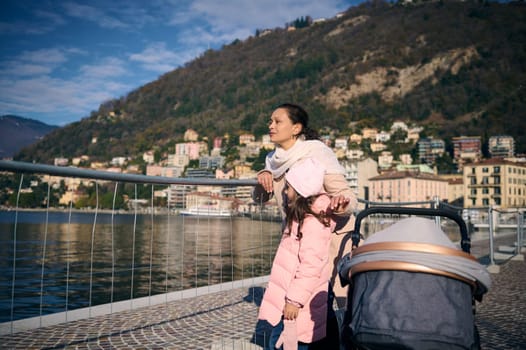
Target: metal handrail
<point x="23" y="167"/>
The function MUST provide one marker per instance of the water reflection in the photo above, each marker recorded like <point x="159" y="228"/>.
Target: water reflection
<point x="122" y="260"/>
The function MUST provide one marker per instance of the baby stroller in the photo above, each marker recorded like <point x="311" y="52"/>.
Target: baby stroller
<point x="410" y="286"/>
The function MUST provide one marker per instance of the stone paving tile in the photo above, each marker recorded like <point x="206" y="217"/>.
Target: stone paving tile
<point x="501" y="316"/>
<point x="228" y="319"/>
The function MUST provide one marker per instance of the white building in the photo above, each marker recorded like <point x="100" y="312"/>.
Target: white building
<point x="340" y="142"/>
<point x="501" y="146"/>
<point x="383" y="136"/>
<point x="385" y="160"/>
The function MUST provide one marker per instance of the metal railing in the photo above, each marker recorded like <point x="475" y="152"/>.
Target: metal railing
<point x="81" y="263"/>
<point x="78" y="263"/>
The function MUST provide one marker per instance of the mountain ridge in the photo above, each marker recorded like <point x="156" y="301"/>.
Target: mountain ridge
<point x="18" y="132"/>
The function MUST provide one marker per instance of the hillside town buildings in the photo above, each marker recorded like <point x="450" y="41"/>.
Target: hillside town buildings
<point x="383" y="177"/>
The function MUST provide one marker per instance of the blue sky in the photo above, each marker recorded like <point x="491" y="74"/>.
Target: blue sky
<point x="59" y="60"/>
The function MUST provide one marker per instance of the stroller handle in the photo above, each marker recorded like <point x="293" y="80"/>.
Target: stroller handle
<point x="465" y="241"/>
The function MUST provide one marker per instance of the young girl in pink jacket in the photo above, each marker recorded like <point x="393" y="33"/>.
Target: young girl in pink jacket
<point x="295" y="301"/>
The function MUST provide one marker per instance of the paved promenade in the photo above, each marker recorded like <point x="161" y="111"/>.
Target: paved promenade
<point x="227" y="320"/>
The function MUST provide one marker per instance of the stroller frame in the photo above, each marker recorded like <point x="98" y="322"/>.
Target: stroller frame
<point x="420" y="274"/>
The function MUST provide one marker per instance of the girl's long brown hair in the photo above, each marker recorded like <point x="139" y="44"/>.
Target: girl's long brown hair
<point x="301" y="207"/>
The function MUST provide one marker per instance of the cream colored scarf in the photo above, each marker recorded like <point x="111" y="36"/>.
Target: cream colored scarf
<point x="280" y="160"/>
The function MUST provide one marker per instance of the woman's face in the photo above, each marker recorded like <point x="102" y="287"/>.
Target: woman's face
<point x="282" y="131"/>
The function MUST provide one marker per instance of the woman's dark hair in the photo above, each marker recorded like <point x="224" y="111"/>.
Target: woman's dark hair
<point x="298" y="115"/>
<point x="298" y="209"/>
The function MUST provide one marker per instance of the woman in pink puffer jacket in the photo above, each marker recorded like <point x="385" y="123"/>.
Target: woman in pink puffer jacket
<point x="297" y="288"/>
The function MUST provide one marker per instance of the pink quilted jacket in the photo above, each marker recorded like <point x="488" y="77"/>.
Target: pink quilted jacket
<point x="301" y="272"/>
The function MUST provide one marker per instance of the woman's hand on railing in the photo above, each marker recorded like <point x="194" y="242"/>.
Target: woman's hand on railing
<point x="265" y="179"/>
<point x="339" y="203"/>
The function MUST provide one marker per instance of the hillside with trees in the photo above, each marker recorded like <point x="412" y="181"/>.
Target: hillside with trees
<point x="455" y="68"/>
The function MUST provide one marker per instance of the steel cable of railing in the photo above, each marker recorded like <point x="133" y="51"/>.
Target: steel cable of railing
<point x="167" y="258"/>
<point x="196" y="267"/>
<point x="208" y="273"/>
<point x="134" y="230"/>
<point x="13" y="283"/>
<point x="151" y="246"/>
<point x="93" y="245"/>
<point x="113" y="246"/>
<point x="183" y="243"/>
<point x="68" y="256"/>
<point x="232" y="315"/>
<point x="44" y="244"/>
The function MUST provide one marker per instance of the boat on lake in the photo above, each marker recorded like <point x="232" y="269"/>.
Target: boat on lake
<point x="207" y="211"/>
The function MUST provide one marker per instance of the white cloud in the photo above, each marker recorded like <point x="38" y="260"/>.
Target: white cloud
<point x="211" y="23"/>
<point x="46" y="95"/>
<point x="22" y="69"/>
<point x="231" y="15"/>
<point x="44" y="56"/>
<point x="92" y="14"/>
<point x="108" y="67"/>
<point x="156" y="57"/>
<point x="31" y="63"/>
<point x="31" y="84"/>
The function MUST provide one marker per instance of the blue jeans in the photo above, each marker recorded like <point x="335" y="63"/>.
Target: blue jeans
<point x="274" y="335"/>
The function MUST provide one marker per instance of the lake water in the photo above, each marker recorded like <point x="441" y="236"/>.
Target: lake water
<point x="82" y="259"/>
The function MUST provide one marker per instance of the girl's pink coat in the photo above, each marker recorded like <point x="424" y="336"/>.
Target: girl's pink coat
<point x="301" y="272"/>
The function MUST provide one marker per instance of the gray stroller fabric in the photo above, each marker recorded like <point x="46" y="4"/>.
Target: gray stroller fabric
<point x="403" y="310"/>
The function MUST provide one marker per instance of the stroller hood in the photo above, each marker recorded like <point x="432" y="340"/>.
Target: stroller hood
<point x="419" y="244"/>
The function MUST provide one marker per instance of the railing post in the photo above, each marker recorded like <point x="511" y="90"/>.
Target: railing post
<point x="436" y="205"/>
<point x="519" y="232"/>
<point x="490" y="228"/>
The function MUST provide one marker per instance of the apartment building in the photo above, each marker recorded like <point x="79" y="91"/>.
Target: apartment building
<point x="407" y="186"/>
<point x="495" y="182"/>
<point x="430" y="148"/>
<point x="169" y="171"/>
<point x="358" y="173"/>
<point x="466" y="149"/>
<point x="501" y="146"/>
<point x="209" y="162"/>
<point x="455" y="188"/>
